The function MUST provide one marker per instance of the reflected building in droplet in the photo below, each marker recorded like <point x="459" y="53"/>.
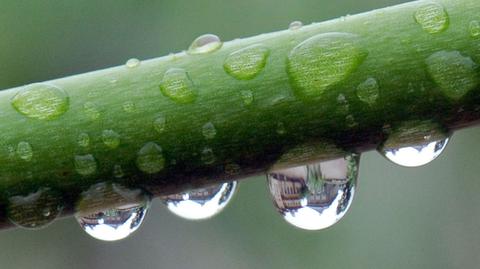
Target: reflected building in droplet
<point x="315" y="196"/>
<point x="201" y="203"/>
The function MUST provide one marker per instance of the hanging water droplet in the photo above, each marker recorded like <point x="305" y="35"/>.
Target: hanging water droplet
<point x="159" y="124"/>
<point x="129" y="107"/>
<point x="115" y="223"/>
<point x="323" y="61"/>
<point x="209" y="131"/>
<point x="414" y="144"/>
<point x="111" y="139"/>
<point x="246" y="63"/>
<point x="150" y="158"/>
<point x="83" y="140"/>
<point x="368" y="91"/>
<point x="177" y="85"/>
<point x="85" y="164"/>
<point x="474" y="29"/>
<point x="295" y="25"/>
<point x="454" y="73"/>
<point x="132" y="63"/>
<point x="205" y="44"/>
<point x="41" y="101"/>
<point x="432" y="17"/>
<point x="91" y="110"/>
<point x="315" y="196"/>
<point x="35" y="210"/>
<point x="247" y="97"/>
<point x="201" y="203"/>
<point x="207" y="156"/>
<point x="24" y="151"/>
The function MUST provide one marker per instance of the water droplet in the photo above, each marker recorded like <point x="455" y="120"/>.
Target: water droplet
<point x="315" y="196"/>
<point x="85" y="164"/>
<point x="118" y="171"/>
<point x="474" y="29"/>
<point x="232" y="169"/>
<point x="281" y="128"/>
<point x="323" y="61"/>
<point x="295" y="25"/>
<point x="150" y="158"/>
<point x="201" y="203"/>
<point x="209" y="131"/>
<point x="129" y="107"/>
<point x="117" y="222"/>
<point x="368" y="91"/>
<point x="247" y="97"/>
<point x="414" y="144"/>
<point x="92" y="110"/>
<point x="205" y="44"/>
<point x="83" y="140"/>
<point x="177" y="85"/>
<point x="159" y="124"/>
<point x="24" y="151"/>
<point x="110" y="138"/>
<point x="132" y="63"/>
<point x="207" y="156"/>
<point x="432" y="17"/>
<point x="41" y="101"/>
<point x="246" y="63"/>
<point x="35" y="210"/>
<point x="454" y="73"/>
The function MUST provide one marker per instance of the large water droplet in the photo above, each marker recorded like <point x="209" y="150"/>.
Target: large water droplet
<point x="159" y="124"/>
<point x="454" y="73"/>
<point x="24" y="151"/>
<point x="474" y="29"/>
<point x="246" y="63"/>
<point x="177" y="85"/>
<point x="432" y="17"/>
<point x="205" y="44"/>
<point x="132" y="63"/>
<point x="323" y="61"/>
<point x="295" y="25"/>
<point x="201" y="203"/>
<point x="111" y="139"/>
<point x="315" y="196"/>
<point x="41" y="101"/>
<point x="117" y="222"/>
<point x="209" y="131"/>
<point x="85" y="164"/>
<point x="83" y="140"/>
<point x="35" y="210"/>
<point x="414" y="144"/>
<point x="92" y="110"/>
<point x="367" y="91"/>
<point x="150" y="158"/>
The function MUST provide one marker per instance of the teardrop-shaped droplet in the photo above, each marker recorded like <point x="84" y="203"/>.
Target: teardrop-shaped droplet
<point x="150" y="158"/>
<point x="201" y="203"/>
<point x="209" y="131"/>
<point x="295" y="25"/>
<point x="205" y="44"/>
<point x="315" y="196"/>
<point x="118" y="222"/>
<point x="246" y="63"/>
<point x="414" y="144"/>
<point x="474" y="29"/>
<point x="323" y="61"/>
<point x="177" y="85"/>
<point x="35" y="210"/>
<point x="41" y="101"/>
<point x="110" y="138"/>
<point x="432" y="17"/>
<point x="85" y="165"/>
<point x="24" y="151"/>
<point x="132" y="63"/>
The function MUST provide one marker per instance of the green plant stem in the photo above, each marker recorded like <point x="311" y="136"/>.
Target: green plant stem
<point x="248" y="139"/>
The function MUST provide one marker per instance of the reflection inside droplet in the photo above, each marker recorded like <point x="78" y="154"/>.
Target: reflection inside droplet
<point x="415" y="155"/>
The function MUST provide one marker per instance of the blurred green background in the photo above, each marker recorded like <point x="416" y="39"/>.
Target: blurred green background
<point x="401" y="218"/>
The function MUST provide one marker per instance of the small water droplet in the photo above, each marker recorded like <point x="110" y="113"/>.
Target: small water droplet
<point x="323" y="61"/>
<point x="205" y="44"/>
<point x="232" y="169"/>
<point x="83" y="140"/>
<point x="246" y="63"/>
<point x="247" y="97"/>
<point x="117" y="222"/>
<point x="454" y="73"/>
<point x="118" y="171"/>
<point x="295" y="25"/>
<point x="209" y="131"/>
<point x="92" y="110"/>
<point x="207" y="156"/>
<point x="177" y="85"/>
<point x="315" y="196"/>
<point x="368" y="91"/>
<point x="24" y="151"/>
<point x="474" y="29"/>
<point x="201" y="203"/>
<point x="41" y="101"/>
<point x="150" y="158"/>
<point x="132" y="63"/>
<point x="432" y="17"/>
<point x="414" y="144"/>
<point x="110" y="138"/>
<point x="85" y="164"/>
<point x="281" y="128"/>
<point x="129" y="107"/>
<point x="35" y="210"/>
<point x="159" y="124"/>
